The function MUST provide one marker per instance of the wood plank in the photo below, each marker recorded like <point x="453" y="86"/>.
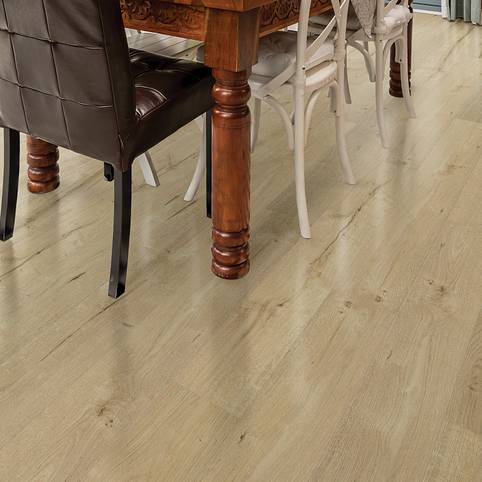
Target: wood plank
<point x="356" y="358"/>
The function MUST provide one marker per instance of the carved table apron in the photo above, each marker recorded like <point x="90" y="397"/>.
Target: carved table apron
<point x="230" y="30"/>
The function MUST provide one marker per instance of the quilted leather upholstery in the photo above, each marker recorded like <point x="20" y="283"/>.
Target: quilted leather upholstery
<point x="169" y="94"/>
<point x="66" y="77"/>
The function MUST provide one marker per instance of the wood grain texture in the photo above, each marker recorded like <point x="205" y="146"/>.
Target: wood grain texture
<point x="190" y="20"/>
<point x="231" y="174"/>
<point x="352" y="356"/>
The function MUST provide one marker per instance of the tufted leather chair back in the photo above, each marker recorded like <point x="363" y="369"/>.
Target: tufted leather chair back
<point x="65" y="74"/>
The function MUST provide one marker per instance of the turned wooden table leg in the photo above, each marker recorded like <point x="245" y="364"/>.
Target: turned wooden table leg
<point x="395" y="79"/>
<point x="43" y="168"/>
<point x="231" y="49"/>
<point x="231" y="174"/>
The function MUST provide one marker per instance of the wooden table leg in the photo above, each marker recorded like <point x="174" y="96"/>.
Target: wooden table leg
<point x="231" y="174"/>
<point x="395" y="79"/>
<point x="231" y="49"/>
<point x="43" y="169"/>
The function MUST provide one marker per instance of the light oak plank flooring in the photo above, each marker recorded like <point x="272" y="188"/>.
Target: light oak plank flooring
<point x="355" y="356"/>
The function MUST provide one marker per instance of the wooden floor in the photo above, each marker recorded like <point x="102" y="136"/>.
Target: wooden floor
<point x="355" y="356"/>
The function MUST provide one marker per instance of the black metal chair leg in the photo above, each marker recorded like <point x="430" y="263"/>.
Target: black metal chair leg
<point x="108" y="172"/>
<point x="11" y="167"/>
<point x="209" y="163"/>
<point x="122" y="230"/>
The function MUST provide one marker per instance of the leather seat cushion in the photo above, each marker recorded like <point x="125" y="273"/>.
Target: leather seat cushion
<point x="278" y="50"/>
<point x="169" y="94"/>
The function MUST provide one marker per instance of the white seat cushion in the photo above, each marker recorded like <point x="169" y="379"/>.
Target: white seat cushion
<point x="397" y="16"/>
<point x="321" y="21"/>
<point x="278" y="50"/>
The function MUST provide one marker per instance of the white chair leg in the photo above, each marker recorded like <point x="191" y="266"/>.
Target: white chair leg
<point x="303" y="218"/>
<point x="272" y="102"/>
<point x="148" y="170"/>
<point x="364" y="50"/>
<point x="309" y="112"/>
<point x="201" y="164"/>
<point x="255" y="123"/>
<point x="380" y="73"/>
<point x="341" y="139"/>
<point x="346" y="83"/>
<point x="332" y="96"/>
<point x="407" y="97"/>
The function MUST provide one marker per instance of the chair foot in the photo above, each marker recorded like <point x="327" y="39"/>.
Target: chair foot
<point x="121" y="232"/>
<point x="10" y="183"/>
<point x="108" y="172"/>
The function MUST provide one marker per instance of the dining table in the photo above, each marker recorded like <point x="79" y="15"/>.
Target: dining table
<point x="230" y="30"/>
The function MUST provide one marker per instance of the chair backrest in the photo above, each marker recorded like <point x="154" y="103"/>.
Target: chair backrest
<point x="304" y="52"/>
<point x="339" y="21"/>
<point x="65" y="74"/>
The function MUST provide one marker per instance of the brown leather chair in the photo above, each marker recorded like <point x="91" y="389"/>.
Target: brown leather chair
<point x="68" y="77"/>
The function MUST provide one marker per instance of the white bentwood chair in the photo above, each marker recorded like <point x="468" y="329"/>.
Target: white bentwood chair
<point x="308" y="64"/>
<point x="390" y="27"/>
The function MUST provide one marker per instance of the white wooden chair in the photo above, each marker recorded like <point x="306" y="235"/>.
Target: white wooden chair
<point x="390" y="27"/>
<point x="308" y="65"/>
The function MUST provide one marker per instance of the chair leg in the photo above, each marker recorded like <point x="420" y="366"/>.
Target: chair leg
<point x="407" y="96"/>
<point x="301" y="204"/>
<point x="122" y="229"/>
<point x="309" y="112"/>
<point x="148" y="170"/>
<point x="380" y="73"/>
<point x="364" y="49"/>
<point x="108" y="172"/>
<point x="255" y="123"/>
<point x="288" y="120"/>
<point x="201" y="164"/>
<point x="341" y="138"/>
<point x="346" y="83"/>
<point x="10" y="183"/>
<point x="209" y="163"/>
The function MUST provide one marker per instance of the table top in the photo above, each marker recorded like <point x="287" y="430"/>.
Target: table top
<point x="189" y="14"/>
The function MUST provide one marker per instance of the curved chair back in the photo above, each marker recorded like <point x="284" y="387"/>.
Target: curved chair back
<point x="304" y="52"/>
<point x="65" y="74"/>
<point x="339" y="20"/>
